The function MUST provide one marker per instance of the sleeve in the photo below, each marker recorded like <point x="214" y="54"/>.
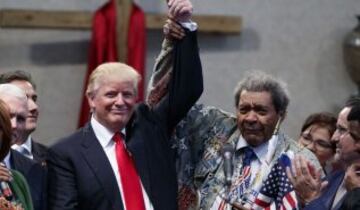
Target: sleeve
<point x="159" y="80"/>
<point x="186" y="82"/>
<point x="315" y="204"/>
<point x="21" y="190"/>
<point x="62" y="190"/>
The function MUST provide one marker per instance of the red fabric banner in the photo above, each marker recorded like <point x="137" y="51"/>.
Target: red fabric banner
<point x="103" y="46"/>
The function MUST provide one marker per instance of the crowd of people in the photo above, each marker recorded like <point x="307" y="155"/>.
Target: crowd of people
<point x="170" y="152"/>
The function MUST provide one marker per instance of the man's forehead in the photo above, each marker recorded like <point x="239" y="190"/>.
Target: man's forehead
<point x="255" y="98"/>
<point x="14" y="103"/>
<point x="342" y="118"/>
<point x="24" y="85"/>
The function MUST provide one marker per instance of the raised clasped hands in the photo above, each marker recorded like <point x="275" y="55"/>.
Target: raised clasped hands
<point x="180" y="10"/>
<point x="173" y="30"/>
<point x="305" y="179"/>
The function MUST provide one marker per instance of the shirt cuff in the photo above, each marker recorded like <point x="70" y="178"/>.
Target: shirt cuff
<point x="192" y="26"/>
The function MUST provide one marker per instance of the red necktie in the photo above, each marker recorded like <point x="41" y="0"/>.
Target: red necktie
<point x="129" y="178"/>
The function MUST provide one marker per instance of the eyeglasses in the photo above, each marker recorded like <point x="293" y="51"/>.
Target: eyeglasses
<point x="318" y="143"/>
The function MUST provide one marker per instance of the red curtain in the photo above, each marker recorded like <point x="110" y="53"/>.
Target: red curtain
<point x="103" y="46"/>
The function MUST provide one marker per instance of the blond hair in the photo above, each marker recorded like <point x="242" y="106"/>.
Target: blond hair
<point x="113" y="69"/>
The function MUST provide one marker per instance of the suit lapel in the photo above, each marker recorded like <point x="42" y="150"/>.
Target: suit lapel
<point x="97" y="160"/>
<point x="20" y="163"/>
<point x="137" y="147"/>
<point x="334" y="184"/>
<point x="38" y="152"/>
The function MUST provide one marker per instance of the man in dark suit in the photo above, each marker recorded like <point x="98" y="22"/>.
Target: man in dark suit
<point x="33" y="172"/>
<point x="35" y="175"/>
<point x="352" y="175"/>
<point x="318" y="194"/>
<point x="86" y="168"/>
<point x="352" y="200"/>
<point x="26" y="144"/>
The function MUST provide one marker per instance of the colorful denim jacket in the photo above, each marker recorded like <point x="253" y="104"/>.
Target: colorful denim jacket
<point x="198" y="140"/>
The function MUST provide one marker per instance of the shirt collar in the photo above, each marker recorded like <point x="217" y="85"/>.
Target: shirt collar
<point x="264" y="152"/>
<point x="26" y="145"/>
<point x="103" y="134"/>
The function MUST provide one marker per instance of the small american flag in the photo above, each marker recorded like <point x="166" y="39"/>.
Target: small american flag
<point x="277" y="192"/>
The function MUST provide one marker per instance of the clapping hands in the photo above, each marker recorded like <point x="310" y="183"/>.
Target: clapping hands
<point x="305" y="179"/>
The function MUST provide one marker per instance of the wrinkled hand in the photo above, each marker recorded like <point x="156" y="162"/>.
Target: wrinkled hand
<point x="352" y="176"/>
<point x="5" y="174"/>
<point x="173" y="30"/>
<point x="180" y="10"/>
<point x="305" y="179"/>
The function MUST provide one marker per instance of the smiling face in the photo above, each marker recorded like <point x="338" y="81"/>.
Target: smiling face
<point x="32" y="117"/>
<point x="113" y="102"/>
<point x="256" y="116"/>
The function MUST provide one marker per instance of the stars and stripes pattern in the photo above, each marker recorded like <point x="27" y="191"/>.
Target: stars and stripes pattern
<point x="242" y="178"/>
<point x="277" y="191"/>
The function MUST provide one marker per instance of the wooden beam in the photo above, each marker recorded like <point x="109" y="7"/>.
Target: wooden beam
<point x="10" y="18"/>
<point x="123" y="9"/>
<point x="45" y="19"/>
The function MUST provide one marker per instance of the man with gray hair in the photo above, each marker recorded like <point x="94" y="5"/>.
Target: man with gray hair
<point x="223" y="161"/>
<point x="25" y="144"/>
<point x="16" y="100"/>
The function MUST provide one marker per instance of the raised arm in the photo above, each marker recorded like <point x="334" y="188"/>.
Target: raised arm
<point x="159" y="81"/>
<point x="185" y="83"/>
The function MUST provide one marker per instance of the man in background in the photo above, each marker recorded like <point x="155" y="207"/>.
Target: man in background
<point x="315" y="193"/>
<point x="25" y="144"/>
<point x="352" y="174"/>
<point x="16" y="99"/>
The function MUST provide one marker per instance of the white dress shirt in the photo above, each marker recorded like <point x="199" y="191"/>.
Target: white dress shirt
<point x="104" y="137"/>
<point x="24" y="148"/>
<point x="259" y="168"/>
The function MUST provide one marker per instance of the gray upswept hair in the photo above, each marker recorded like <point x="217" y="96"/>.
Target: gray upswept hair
<point x="12" y="90"/>
<point x="258" y="81"/>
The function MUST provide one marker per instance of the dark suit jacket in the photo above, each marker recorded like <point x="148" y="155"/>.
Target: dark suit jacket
<point x="80" y="175"/>
<point x="35" y="176"/>
<point x="324" y="202"/>
<point x="39" y="151"/>
<point x="352" y="200"/>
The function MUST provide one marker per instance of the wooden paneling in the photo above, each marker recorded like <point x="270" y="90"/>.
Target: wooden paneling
<point x="82" y="20"/>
